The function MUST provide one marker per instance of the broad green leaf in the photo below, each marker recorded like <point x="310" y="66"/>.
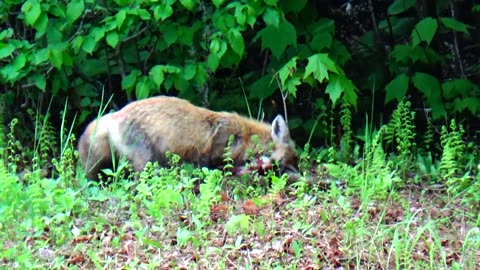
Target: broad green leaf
<point x="292" y="5"/>
<point x="213" y="61"/>
<point x="217" y="3"/>
<point x="55" y="57"/>
<point x="185" y="36"/>
<point x="112" y="39"/>
<point x="6" y="34"/>
<point x="89" y="44"/>
<point x="144" y="14"/>
<point x="288" y="70"/>
<point x="470" y="103"/>
<point x="19" y="61"/>
<point x="291" y="85"/>
<point x="430" y="87"/>
<point x="41" y="24"/>
<point x="271" y="17"/>
<point x="6" y="49"/>
<point x="278" y="38"/>
<point x="214" y="46"/>
<point x="74" y="10"/>
<point x="319" y="65"/>
<point x="162" y="12"/>
<point x="458" y="87"/>
<point x="32" y="10"/>
<point x="120" y="18"/>
<point x="399" y="6"/>
<point x="271" y="2"/>
<point x="170" y="34"/>
<point x="349" y="91"/>
<point x="236" y="41"/>
<point x="129" y="81"/>
<point x="321" y="41"/>
<point x="156" y="73"/>
<point x="262" y="88"/>
<point x="77" y="43"/>
<point x="201" y="75"/>
<point x="39" y="81"/>
<point x="189" y="71"/>
<point x="334" y="88"/>
<point x="40" y="56"/>
<point x="143" y="88"/>
<point x="98" y="33"/>
<point x="188" y="4"/>
<point x="424" y="31"/>
<point x="397" y="88"/>
<point x="454" y="24"/>
<point x="240" y="14"/>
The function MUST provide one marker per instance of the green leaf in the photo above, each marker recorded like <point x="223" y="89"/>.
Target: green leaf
<point x="455" y="25"/>
<point x="162" y="12"/>
<point x="271" y="17"/>
<point x="262" y="88"/>
<point x="188" y="4"/>
<point x="129" y="81"/>
<point x="334" y="88"/>
<point x="89" y="44"/>
<point x="397" y="88"/>
<point x="271" y="2"/>
<point x="77" y="43"/>
<point x="6" y="49"/>
<point x="189" y="71"/>
<point x="213" y="61"/>
<point x="112" y="39"/>
<point x="55" y="57"/>
<point x="74" y="10"/>
<point x="430" y="87"/>
<point x="292" y="5"/>
<point x="278" y="38"/>
<point x="319" y="65"/>
<point x="240" y="14"/>
<point x="144" y="14"/>
<point x="6" y="34"/>
<point x="32" y="10"/>
<point x="424" y="31"/>
<point x="20" y="61"/>
<point x="470" y="103"/>
<point x="41" y="24"/>
<point x="170" y="34"/>
<point x="399" y="6"/>
<point x="291" y="85"/>
<point x="217" y="3"/>
<point x="201" y="75"/>
<point x="120" y="18"/>
<point x="236" y="41"/>
<point x="143" y="88"/>
<point x="40" y="56"/>
<point x="458" y="87"/>
<point x="156" y="73"/>
<point x="39" y="81"/>
<point x="288" y="70"/>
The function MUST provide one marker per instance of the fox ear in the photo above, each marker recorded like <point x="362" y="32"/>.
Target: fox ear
<point x="280" y="132"/>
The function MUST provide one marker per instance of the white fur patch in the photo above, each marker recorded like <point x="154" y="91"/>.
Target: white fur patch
<point x="114" y="134"/>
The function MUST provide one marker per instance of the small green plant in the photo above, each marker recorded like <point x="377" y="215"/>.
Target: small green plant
<point x="453" y="151"/>
<point x="400" y="132"/>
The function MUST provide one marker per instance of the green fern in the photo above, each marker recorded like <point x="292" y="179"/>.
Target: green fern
<point x="346" y="141"/>
<point x="400" y="132"/>
<point x="453" y="150"/>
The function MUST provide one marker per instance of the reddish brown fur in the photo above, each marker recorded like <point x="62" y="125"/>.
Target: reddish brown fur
<point x="145" y="130"/>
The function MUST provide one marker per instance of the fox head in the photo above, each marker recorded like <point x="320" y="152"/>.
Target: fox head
<point x="283" y="146"/>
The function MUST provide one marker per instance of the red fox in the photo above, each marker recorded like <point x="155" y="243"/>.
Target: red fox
<point x="145" y="130"/>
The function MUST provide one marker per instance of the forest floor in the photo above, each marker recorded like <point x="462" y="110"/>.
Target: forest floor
<point x="418" y="227"/>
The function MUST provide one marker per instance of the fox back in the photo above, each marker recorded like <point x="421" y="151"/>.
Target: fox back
<point x="145" y="130"/>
